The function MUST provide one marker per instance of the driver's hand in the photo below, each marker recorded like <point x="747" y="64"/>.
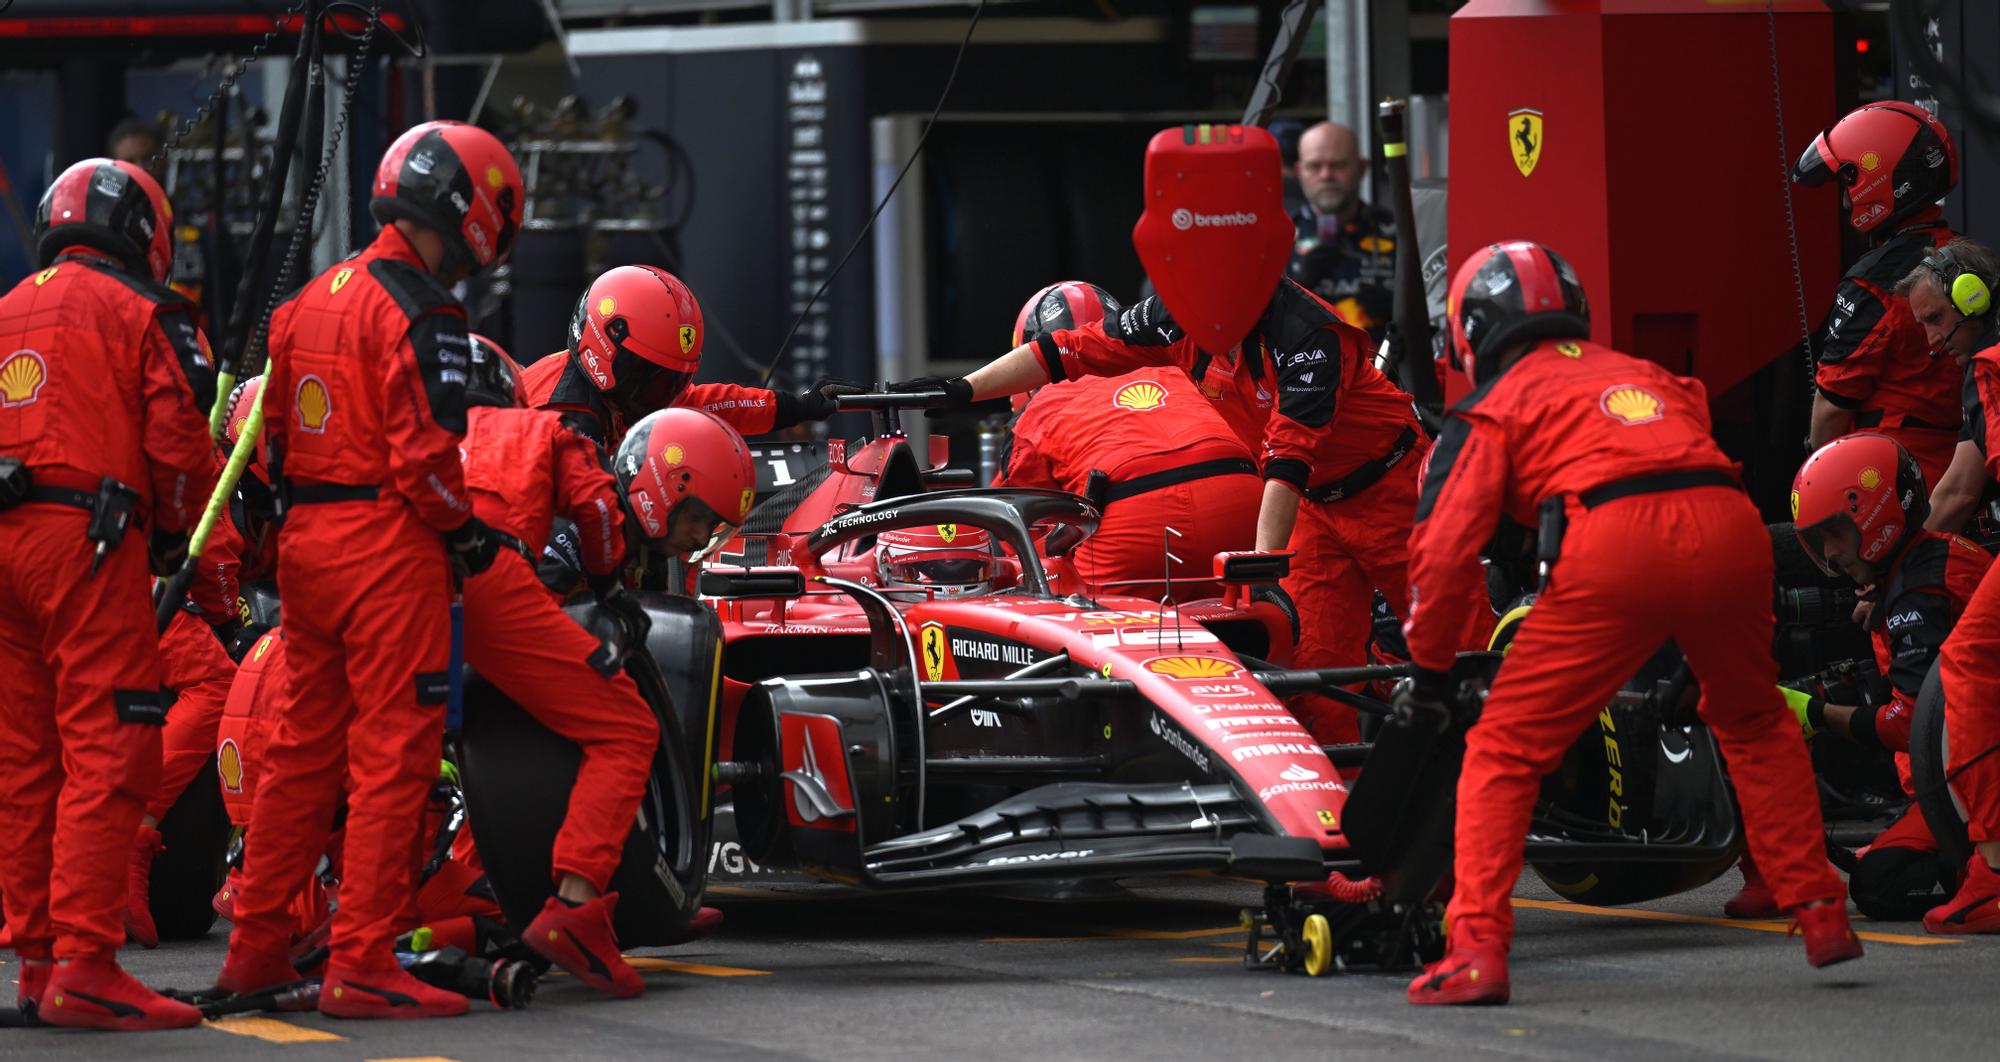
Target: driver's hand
<point x="956" y="387"/>
<point x="1423" y="699"/>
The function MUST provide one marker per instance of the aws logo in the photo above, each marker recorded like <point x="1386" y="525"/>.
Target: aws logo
<point x="1141" y="397"/>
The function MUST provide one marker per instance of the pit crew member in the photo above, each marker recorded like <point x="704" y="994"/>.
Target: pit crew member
<point x="104" y="452"/>
<point x="1950" y="293"/>
<point x="1661" y="543"/>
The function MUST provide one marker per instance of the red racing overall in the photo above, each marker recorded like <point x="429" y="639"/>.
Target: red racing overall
<point x="1303" y="394"/>
<point x="524" y="466"/>
<point x="1873" y="360"/>
<point x="1970" y="662"/>
<point x="1661" y="544"/>
<point x="556" y="382"/>
<point x="101" y="374"/>
<point x="1172" y="462"/>
<point x="364" y="407"/>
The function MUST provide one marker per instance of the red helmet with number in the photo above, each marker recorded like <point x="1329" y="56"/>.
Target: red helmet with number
<point x="494" y="378"/>
<point x="1509" y="293"/>
<point x="1893" y="158"/>
<point x="679" y="456"/>
<point x="1866" y="482"/>
<point x="952" y="560"/>
<point x="637" y="334"/>
<point x="110" y="206"/>
<point x="1064" y="304"/>
<point x="457" y="180"/>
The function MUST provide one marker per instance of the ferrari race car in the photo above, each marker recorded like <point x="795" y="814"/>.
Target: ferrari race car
<point x="889" y="738"/>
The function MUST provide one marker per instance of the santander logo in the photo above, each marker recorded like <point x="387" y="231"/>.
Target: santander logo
<point x="1296" y="773"/>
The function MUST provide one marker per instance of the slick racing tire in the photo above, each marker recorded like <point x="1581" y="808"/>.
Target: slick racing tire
<point x="1930" y="749"/>
<point x="1628" y="772"/>
<point x="187" y="873"/>
<point x="517" y="776"/>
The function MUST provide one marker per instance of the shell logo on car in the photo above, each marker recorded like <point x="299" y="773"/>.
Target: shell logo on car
<point x="314" y="405"/>
<point x="1141" y="397"/>
<point x="1192" y="667"/>
<point x="1631" y="405"/>
<point x="21" y="378"/>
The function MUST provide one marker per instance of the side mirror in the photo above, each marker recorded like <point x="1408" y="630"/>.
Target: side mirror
<point x="759" y="583"/>
<point x="1251" y="567"/>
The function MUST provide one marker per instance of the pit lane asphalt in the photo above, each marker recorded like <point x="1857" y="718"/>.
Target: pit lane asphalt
<point x="1155" y="976"/>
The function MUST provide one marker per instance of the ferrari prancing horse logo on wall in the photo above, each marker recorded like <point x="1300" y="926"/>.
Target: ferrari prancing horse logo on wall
<point x="1524" y="138"/>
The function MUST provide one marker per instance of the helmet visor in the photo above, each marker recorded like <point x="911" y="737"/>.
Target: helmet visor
<point x="1817" y="165"/>
<point x="956" y="569"/>
<point x="1837" y="531"/>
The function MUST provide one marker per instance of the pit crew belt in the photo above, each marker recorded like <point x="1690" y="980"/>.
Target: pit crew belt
<point x="1365" y="476"/>
<point x="322" y="493"/>
<point x="1655" y="484"/>
<point x="1173" y="477"/>
<point x="75" y="499"/>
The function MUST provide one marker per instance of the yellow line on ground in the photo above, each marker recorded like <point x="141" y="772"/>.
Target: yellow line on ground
<point x="1208" y="958"/>
<point x="1755" y="924"/>
<point x="1122" y="934"/>
<point x="644" y="965"/>
<point x="273" y="1030"/>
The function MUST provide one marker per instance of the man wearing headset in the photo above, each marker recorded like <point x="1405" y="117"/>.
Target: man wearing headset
<point x="1893" y="161"/>
<point x="1950" y="296"/>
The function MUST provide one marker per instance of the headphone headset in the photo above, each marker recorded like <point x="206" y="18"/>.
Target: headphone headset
<point x="1968" y="291"/>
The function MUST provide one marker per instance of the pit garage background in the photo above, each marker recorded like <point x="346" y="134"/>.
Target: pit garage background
<point x="745" y="144"/>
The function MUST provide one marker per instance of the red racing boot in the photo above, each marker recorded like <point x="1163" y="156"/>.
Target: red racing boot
<point x="245" y="970"/>
<point x="1975" y="908"/>
<point x="139" y="928"/>
<point x="1472" y="971"/>
<point x="225" y="897"/>
<point x="1829" y="939"/>
<point x="580" y="939"/>
<point x="1754" y="899"/>
<point x="97" y="994"/>
<point x="35" y="974"/>
<point x="705" y="921"/>
<point x="389" y="992"/>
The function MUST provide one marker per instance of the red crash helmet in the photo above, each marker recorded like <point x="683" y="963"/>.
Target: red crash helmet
<point x="237" y="419"/>
<point x="110" y="206"/>
<point x="1509" y="293"/>
<point x="1893" y="159"/>
<point x="494" y="378"/>
<point x="684" y="457"/>
<point x="1064" y="304"/>
<point x="637" y="333"/>
<point x="1867" y="482"/>
<point x="952" y="560"/>
<point x="457" y="180"/>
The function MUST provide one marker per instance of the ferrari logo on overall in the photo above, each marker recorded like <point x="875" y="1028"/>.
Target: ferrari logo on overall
<point x="935" y="652"/>
<point x="340" y="280"/>
<point x="1524" y="138"/>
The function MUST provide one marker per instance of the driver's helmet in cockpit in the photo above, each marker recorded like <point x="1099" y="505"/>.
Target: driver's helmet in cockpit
<point x="950" y="560"/>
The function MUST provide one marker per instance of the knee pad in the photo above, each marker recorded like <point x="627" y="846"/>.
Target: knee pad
<point x="1899" y="884"/>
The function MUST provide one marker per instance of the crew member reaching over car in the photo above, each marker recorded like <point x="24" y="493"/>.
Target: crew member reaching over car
<point x="1661" y="544"/>
<point x="1164" y="456"/>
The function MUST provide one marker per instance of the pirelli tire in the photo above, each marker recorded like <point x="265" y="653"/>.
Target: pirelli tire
<point x="190" y="868"/>
<point x="1627" y="772"/>
<point x="517" y="776"/>
<point x="1930" y="755"/>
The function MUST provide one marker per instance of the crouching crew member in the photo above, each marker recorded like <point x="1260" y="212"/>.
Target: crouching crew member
<point x="1859" y="504"/>
<point x="634" y="346"/>
<point x="103" y="437"/>
<point x="1661" y="544"/>
<point x="365" y="406"/>
<point x="1166" y="458"/>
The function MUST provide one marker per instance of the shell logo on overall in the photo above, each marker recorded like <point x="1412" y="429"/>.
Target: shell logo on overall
<point x="1143" y="396"/>
<point x="21" y="378"/>
<point x="1631" y="405"/>
<point x="314" y="405"/>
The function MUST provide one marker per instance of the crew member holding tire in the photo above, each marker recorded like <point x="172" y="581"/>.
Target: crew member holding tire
<point x="1338" y="445"/>
<point x="1894" y="161"/>
<point x="523" y="467"/>
<point x="1969" y="667"/>
<point x="103" y="435"/>
<point x="1661" y="544"/>
<point x="1859" y="504"/>
<point x="365" y="409"/>
<point x="634" y="346"/>
<point x="1166" y="458"/>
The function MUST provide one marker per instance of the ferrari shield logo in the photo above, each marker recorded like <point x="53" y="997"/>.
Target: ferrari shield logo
<point x="339" y="281"/>
<point x="948" y="532"/>
<point x="1524" y="138"/>
<point x="935" y="652"/>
